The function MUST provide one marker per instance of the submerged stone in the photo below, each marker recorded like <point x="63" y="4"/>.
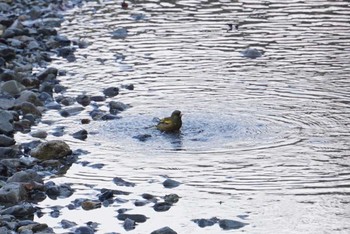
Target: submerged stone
<point x="164" y="230"/>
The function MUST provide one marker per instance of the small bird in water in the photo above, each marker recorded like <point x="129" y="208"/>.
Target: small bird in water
<point x="172" y="123"/>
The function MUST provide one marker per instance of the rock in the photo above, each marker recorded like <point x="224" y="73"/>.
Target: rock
<point x="83" y="100"/>
<point x="85" y="121"/>
<point x="53" y="106"/>
<point x="19" y="211"/>
<point x="141" y="202"/>
<point x="6" y="141"/>
<point x="142" y="137"/>
<point x="129" y="224"/>
<point x="28" y="96"/>
<point x="90" y="205"/>
<point x="206" y="222"/>
<point x="228" y="224"/>
<point x="71" y="111"/>
<point x="39" y="134"/>
<point x="51" y="150"/>
<point x="120" y="182"/>
<point x="49" y="74"/>
<point x="27" y="176"/>
<point x="162" y="206"/>
<point x="12" y="87"/>
<point x="128" y="86"/>
<point x="251" y="53"/>
<point x="98" y="98"/>
<point x="164" y="230"/>
<point x="84" y="230"/>
<point x="81" y="135"/>
<point x="148" y="196"/>
<point x="169" y="183"/>
<point x="29" y="108"/>
<point x="116" y="107"/>
<point x="171" y="198"/>
<point x="106" y="195"/>
<point x="53" y="191"/>
<point x="13" y="193"/>
<point x="7" y="53"/>
<point x="7" y="152"/>
<point x="138" y="218"/>
<point x="67" y="224"/>
<point x="120" y="33"/>
<point x="111" y="91"/>
<point x="6" y="119"/>
<point x="7" y="103"/>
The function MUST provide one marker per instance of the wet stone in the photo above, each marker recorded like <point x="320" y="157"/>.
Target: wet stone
<point x="84" y="230"/>
<point x="6" y="119"/>
<point x="106" y="195"/>
<point x="228" y="224"/>
<point x="129" y="224"/>
<point x="7" y="152"/>
<point x="171" y="198"/>
<point x="83" y="100"/>
<point x="81" y="135"/>
<point x="67" y="224"/>
<point x="12" y="193"/>
<point x="164" y="230"/>
<point x="90" y="205"/>
<point x="51" y="150"/>
<point x="111" y="91"/>
<point x="206" y="222"/>
<point x="6" y="141"/>
<point x="26" y="176"/>
<point x="39" y="134"/>
<point x="19" y="211"/>
<point x="170" y="183"/>
<point x="120" y="182"/>
<point x="142" y="137"/>
<point x="138" y="218"/>
<point x="162" y="206"/>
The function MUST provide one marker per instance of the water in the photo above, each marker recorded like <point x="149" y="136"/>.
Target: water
<point x="265" y="141"/>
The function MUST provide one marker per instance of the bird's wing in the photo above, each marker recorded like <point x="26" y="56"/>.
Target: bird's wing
<point x="165" y="121"/>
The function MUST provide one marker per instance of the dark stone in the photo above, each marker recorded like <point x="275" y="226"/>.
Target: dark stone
<point x="81" y="135"/>
<point x="138" y="218"/>
<point x="98" y="98"/>
<point x="206" y="222"/>
<point x="71" y="111"/>
<point x="128" y="86"/>
<point x="67" y="224"/>
<point x="27" y="176"/>
<point x="6" y="141"/>
<point x="54" y="149"/>
<point x="228" y="224"/>
<point x="129" y="224"/>
<point x="19" y="211"/>
<point x="251" y="53"/>
<point x="7" y="152"/>
<point x="120" y="182"/>
<point x="48" y="75"/>
<point x="116" y="107"/>
<point x="106" y="195"/>
<point x="171" y="198"/>
<point x="7" y="53"/>
<point x="142" y="137"/>
<point x="83" y="100"/>
<point x="12" y="193"/>
<point x="148" y="196"/>
<point x="162" y="206"/>
<point x="111" y="91"/>
<point x="6" y="119"/>
<point x="164" y="230"/>
<point x="84" y="230"/>
<point x="169" y="183"/>
<point x="7" y="102"/>
<point x="53" y="191"/>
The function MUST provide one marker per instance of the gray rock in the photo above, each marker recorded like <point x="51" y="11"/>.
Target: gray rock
<point x="28" y="96"/>
<point x="53" y="191"/>
<point x="7" y="152"/>
<point x="84" y="230"/>
<point x="171" y="198"/>
<point x="12" y="87"/>
<point x="251" y="53"/>
<point x="71" y="111"/>
<point x="7" y="53"/>
<point x="81" y="135"/>
<point x="49" y="74"/>
<point x="6" y="141"/>
<point x="169" y="183"/>
<point x="206" y="222"/>
<point x="67" y="224"/>
<point x="111" y="91"/>
<point x="115" y="107"/>
<point x="19" y="211"/>
<point x="7" y="103"/>
<point x="53" y="106"/>
<point x="164" y="230"/>
<point x="138" y="218"/>
<point x="51" y="150"/>
<point x="39" y="134"/>
<point x="30" y="108"/>
<point x="26" y="176"/>
<point x="12" y="193"/>
<point x="129" y="224"/>
<point x="119" y="33"/>
<point x="120" y="182"/>
<point x="228" y="224"/>
<point x="6" y="119"/>
<point x="162" y="206"/>
<point x="98" y="98"/>
<point x="83" y="100"/>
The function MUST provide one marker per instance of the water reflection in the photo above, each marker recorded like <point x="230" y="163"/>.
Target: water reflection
<point x="267" y="136"/>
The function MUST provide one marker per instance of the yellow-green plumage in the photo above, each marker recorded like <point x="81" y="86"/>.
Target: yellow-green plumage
<point x="172" y="123"/>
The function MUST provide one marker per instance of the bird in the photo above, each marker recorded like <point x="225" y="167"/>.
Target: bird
<point x="124" y="5"/>
<point x="170" y="124"/>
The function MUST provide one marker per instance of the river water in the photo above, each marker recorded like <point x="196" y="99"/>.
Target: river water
<point x="264" y="141"/>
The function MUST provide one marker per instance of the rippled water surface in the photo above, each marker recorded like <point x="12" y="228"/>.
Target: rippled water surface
<point x="264" y="141"/>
